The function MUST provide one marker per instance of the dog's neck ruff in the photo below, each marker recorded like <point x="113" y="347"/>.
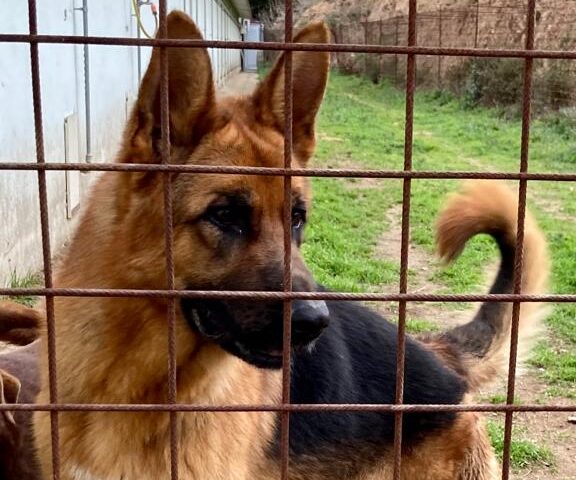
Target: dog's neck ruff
<point x="80" y="473"/>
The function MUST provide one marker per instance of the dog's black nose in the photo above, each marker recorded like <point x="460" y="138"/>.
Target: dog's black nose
<point x="309" y="318"/>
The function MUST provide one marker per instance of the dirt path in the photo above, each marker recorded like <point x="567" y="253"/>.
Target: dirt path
<point x="421" y="264"/>
<point x="240" y="83"/>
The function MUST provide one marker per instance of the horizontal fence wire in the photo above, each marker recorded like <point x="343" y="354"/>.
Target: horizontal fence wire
<point x="398" y="39"/>
<point x="293" y="295"/>
<point x="294" y="172"/>
<point x="290" y="407"/>
<point x="281" y="46"/>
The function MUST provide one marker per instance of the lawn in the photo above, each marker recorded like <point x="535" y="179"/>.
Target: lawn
<point x="361" y="125"/>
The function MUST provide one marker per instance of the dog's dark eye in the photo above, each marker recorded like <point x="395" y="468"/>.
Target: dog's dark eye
<point x="298" y="218"/>
<point x="226" y="219"/>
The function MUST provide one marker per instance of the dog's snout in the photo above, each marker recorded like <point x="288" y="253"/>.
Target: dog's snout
<point x="309" y="319"/>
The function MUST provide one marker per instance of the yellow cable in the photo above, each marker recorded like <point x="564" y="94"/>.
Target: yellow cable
<point x="139" y="19"/>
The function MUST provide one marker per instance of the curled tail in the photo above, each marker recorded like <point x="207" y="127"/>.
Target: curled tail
<point x="483" y="344"/>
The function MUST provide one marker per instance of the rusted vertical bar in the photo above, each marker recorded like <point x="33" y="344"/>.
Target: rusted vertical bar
<point x="396" y="40"/>
<point x="477" y="23"/>
<point x="380" y="57"/>
<point x="439" y="74"/>
<point x="287" y="217"/>
<point x="340" y="56"/>
<point x="168" y="237"/>
<point x="523" y="185"/>
<point x="45" y="229"/>
<point x="408" y="136"/>
<point x="365" y="25"/>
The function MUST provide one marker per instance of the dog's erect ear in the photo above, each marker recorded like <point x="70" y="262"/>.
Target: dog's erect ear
<point x="9" y="392"/>
<point x="190" y="90"/>
<point x="309" y="77"/>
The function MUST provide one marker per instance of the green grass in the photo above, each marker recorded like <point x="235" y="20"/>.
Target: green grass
<point x="30" y="280"/>
<point x="340" y="240"/>
<point x="362" y="126"/>
<point x="418" y="325"/>
<point x="558" y="368"/>
<point x="499" y="398"/>
<point x="523" y="453"/>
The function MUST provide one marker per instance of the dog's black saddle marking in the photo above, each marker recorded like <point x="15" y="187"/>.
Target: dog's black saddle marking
<point x="354" y="361"/>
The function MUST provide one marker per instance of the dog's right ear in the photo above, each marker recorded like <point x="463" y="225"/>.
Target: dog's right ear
<point x="190" y="91"/>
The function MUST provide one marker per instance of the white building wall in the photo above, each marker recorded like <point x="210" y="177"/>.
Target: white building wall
<point x="113" y="82"/>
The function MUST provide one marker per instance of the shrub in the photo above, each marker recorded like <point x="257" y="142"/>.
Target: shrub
<point x="499" y="82"/>
<point x="488" y="81"/>
<point x="553" y="86"/>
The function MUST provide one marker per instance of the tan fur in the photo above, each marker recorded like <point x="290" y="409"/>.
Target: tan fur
<point x="485" y="206"/>
<point x="114" y="350"/>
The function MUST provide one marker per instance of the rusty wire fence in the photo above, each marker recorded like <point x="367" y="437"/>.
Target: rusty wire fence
<point x="483" y="24"/>
<point x="409" y="51"/>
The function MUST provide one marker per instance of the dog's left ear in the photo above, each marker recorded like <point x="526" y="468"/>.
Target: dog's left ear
<point x="309" y="77"/>
<point x="190" y="92"/>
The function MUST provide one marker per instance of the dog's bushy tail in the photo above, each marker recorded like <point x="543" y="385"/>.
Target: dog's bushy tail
<point x="489" y="207"/>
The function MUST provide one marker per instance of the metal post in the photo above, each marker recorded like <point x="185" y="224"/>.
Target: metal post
<point x="365" y="24"/>
<point x="405" y="237"/>
<point x="381" y="57"/>
<point x="84" y="9"/>
<point x="396" y="38"/>
<point x="519" y="251"/>
<point x="477" y="22"/>
<point x="439" y="73"/>
<point x="340" y="40"/>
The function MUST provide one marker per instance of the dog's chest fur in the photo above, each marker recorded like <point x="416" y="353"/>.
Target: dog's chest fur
<point x="211" y="445"/>
<point x="207" y="447"/>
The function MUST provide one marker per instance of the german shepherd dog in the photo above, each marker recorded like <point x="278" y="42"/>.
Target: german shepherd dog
<point x="228" y="235"/>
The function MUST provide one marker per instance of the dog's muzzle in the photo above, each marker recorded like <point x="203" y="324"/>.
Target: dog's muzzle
<point x="254" y="331"/>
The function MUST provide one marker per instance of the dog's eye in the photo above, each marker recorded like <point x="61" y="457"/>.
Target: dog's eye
<point x="225" y="218"/>
<point x="298" y="218"/>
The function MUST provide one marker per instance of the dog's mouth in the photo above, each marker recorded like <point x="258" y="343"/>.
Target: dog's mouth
<point x="260" y="359"/>
<point x="255" y="334"/>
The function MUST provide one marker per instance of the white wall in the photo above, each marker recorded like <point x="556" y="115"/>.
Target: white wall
<point x="113" y="81"/>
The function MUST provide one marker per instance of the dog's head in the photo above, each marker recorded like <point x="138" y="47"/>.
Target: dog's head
<point x="228" y="229"/>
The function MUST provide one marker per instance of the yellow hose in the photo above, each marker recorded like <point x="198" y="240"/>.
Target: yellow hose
<point x="139" y="19"/>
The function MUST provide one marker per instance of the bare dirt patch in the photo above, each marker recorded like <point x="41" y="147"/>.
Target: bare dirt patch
<point x="421" y="265"/>
<point x="348" y="163"/>
<point x="329" y="138"/>
<point x="552" y="207"/>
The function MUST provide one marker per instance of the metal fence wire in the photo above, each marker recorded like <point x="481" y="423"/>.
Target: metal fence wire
<point x="478" y="24"/>
<point x="410" y="51"/>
